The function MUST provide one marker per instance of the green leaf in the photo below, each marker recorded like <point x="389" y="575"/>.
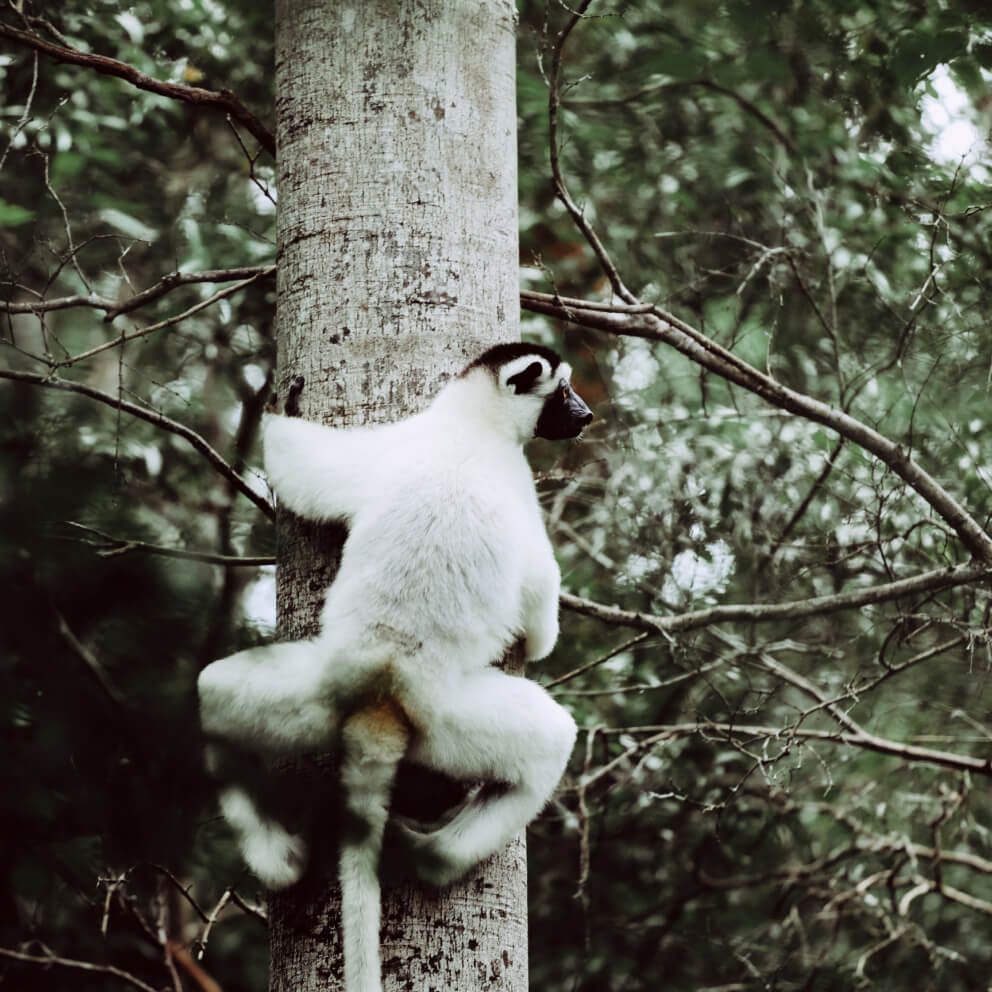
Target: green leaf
<point x="66" y="166"/>
<point x="13" y="215"/>
<point x="677" y="62"/>
<point x="918" y="52"/>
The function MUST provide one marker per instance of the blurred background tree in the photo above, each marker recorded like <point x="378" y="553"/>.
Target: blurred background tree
<point x="764" y="796"/>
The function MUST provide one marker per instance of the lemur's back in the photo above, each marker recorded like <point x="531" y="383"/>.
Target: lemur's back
<point x="437" y="560"/>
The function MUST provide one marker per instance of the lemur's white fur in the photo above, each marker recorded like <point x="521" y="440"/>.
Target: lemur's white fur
<point x="446" y="564"/>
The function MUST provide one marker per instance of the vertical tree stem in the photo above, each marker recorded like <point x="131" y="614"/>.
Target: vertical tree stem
<point x="397" y="251"/>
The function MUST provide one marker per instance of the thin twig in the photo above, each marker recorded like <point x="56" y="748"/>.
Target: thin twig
<point x="669" y="329"/>
<point x="111" y="547"/>
<point x="582" y="669"/>
<point x="869" y="742"/>
<point x="223" y="100"/>
<point x="92" y="663"/>
<point x="72" y="250"/>
<point x="165" y="285"/>
<point x="26" y="113"/>
<point x="152" y="417"/>
<point x="585" y="847"/>
<point x="683" y="84"/>
<point x="183" y="890"/>
<point x="814" y="489"/>
<point x="557" y="179"/>
<point x="50" y="960"/>
<point x="211" y="920"/>
<point x="124" y="338"/>
<point x="249" y="908"/>
<point x="940" y="578"/>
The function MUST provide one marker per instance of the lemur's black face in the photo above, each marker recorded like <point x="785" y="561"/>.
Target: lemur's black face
<point x="563" y="415"/>
<point x="536" y="375"/>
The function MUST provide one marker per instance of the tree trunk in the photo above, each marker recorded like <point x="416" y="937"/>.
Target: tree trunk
<point x="397" y="249"/>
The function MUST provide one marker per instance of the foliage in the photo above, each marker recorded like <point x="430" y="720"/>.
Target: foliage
<point x="770" y="173"/>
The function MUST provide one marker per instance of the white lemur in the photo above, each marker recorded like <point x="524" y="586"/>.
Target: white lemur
<point x="446" y="564"/>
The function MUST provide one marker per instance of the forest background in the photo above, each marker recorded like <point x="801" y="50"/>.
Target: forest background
<point x="774" y="539"/>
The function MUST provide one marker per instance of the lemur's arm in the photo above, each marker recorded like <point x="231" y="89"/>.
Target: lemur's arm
<point x="540" y="603"/>
<point x="317" y="472"/>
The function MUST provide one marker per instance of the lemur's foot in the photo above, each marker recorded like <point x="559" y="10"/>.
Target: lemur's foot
<point x="276" y="856"/>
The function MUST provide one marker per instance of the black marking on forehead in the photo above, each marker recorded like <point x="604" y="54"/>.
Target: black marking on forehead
<point x="499" y="355"/>
<point x="523" y="382"/>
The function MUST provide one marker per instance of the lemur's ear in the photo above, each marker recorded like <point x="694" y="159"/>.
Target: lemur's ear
<point x="523" y="382"/>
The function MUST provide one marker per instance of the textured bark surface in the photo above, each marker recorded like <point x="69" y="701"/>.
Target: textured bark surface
<point x="397" y="265"/>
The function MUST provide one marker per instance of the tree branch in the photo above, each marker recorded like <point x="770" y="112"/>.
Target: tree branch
<point x="50" y="959"/>
<point x="222" y="100"/>
<point x="684" y="84"/>
<point x="111" y="547"/>
<point x="658" y="325"/>
<point x="557" y="179"/>
<point x="939" y="578"/>
<point x="249" y="909"/>
<point x="807" y="500"/>
<point x="92" y="663"/>
<point x="881" y="745"/>
<point x="175" y="319"/>
<point x="861" y="845"/>
<point x="152" y="417"/>
<point x="165" y="285"/>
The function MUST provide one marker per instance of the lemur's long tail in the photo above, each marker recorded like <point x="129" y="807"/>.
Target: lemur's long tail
<point x="374" y="741"/>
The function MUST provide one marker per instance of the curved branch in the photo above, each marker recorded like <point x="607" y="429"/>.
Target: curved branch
<point x="557" y="180"/>
<point x="748" y="107"/>
<point x="703" y="82"/>
<point x="940" y="578"/>
<point x="48" y="960"/>
<point x="881" y="745"/>
<point x="165" y="285"/>
<point x="222" y="100"/>
<point x="660" y="325"/>
<point x="90" y="660"/>
<point x="108" y="546"/>
<point x="141" y="332"/>
<point x="152" y="417"/>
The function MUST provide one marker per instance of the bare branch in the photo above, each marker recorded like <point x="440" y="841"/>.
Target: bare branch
<point x="211" y="920"/>
<point x="956" y="895"/>
<point x="49" y="960"/>
<point x="684" y="84"/>
<point x="558" y="180"/>
<point x="114" y="308"/>
<point x="668" y="329"/>
<point x="807" y="500"/>
<point x="92" y="663"/>
<point x="793" y="873"/>
<point x="223" y="100"/>
<point x="249" y="908"/>
<point x="582" y="669"/>
<point x="25" y="113"/>
<point x="796" y="680"/>
<point x="110" y="547"/>
<point x="152" y="417"/>
<point x="143" y="331"/>
<point x="72" y="252"/>
<point x="940" y="578"/>
<point x="864" y="738"/>
<point x="881" y="745"/>
<point x="204" y="982"/>
<point x="183" y="890"/>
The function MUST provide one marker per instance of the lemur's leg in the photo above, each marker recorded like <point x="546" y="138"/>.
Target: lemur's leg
<point x="272" y="699"/>
<point x="262" y="702"/>
<point x="495" y="727"/>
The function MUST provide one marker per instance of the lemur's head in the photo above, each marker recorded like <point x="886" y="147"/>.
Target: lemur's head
<point x="533" y="385"/>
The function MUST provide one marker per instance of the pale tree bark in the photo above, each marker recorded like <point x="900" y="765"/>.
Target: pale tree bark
<point x="397" y="264"/>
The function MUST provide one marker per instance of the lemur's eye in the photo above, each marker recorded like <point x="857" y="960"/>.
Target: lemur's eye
<point x="564" y="394"/>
